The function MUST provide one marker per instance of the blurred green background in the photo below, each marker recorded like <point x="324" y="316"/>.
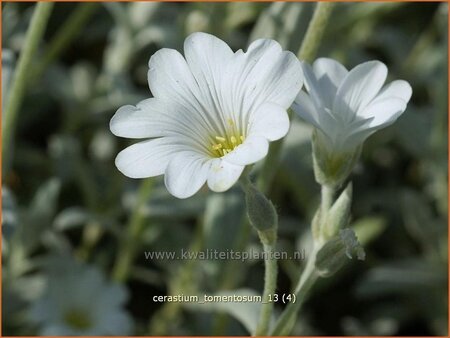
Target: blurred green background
<point x="63" y="196"/>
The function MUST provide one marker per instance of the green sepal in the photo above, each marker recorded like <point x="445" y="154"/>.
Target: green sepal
<point x="315" y="225"/>
<point x="338" y="216"/>
<point x="336" y="252"/>
<point x="332" y="168"/>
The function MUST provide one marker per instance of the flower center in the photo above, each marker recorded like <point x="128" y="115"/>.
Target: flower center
<point x="77" y="319"/>
<point x="222" y="145"/>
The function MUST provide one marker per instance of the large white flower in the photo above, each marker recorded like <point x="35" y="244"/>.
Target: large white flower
<point x="346" y="107"/>
<point x="213" y="112"/>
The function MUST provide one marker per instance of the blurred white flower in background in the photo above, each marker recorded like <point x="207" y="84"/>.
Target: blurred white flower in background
<point x="346" y="107"/>
<point x="213" y="113"/>
<point x="79" y="301"/>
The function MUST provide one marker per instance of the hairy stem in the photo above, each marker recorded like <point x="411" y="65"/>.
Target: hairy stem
<point x="327" y="193"/>
<point x="315" y="31"/>
<point x="270" y="284"/>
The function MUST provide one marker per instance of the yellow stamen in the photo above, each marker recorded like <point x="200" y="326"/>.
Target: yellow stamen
<point x="221" y="139"/>
<point x="223" y="145"/>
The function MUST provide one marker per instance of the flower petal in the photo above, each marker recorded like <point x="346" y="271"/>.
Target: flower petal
<point x="396" y="89"/>
<point x="133" y="122"/>
<point x="329" y="74"/>
<point x="170" y="79"/>
<point x="186" y="173"/>
<point x="279" y="71"/>
<point x="359" y="87"/>
<point x="383" y="112"/>
<point x="223" y="175"/>
<point x="207" y="57"/>
<point x="157" y="118"/>
<point x="304" y="107"/>
<point x="149" y="118"/>
<point x="270" y="121"/>
<point x="312" y="86"/>
<point x="148" y="158"/>
<point x="264" y="73"/>
<point x="319" y="117"/>
<point x="252" y="150"/>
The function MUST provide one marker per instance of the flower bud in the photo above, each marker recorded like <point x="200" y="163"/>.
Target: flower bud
<point x="261" y="213"/>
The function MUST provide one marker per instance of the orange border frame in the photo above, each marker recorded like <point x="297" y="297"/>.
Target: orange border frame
<point x="211" y="1"/>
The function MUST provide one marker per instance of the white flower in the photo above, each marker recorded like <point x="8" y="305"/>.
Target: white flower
<point x="212" y="113"/>
<point x="346" y="107"/>
<point x="78" y="301"/>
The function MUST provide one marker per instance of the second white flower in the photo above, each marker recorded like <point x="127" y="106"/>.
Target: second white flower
<point x="347" y="107"/>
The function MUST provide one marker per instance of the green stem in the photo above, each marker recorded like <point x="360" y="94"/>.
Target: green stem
<point x="327" y="193"/>
<point x="286" y="321"/>
<point x="69" y="30"/>
<point x="127" y="251"/>
<point x="270" y="284"/>
<point x="315" y="31"/>
<point x="21" y="76"/>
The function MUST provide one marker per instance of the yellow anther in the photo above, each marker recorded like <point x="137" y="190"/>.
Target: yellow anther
<point x="225" y="145"/>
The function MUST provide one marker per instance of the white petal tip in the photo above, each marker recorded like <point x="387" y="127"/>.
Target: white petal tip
<point x="118" y="117"/>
